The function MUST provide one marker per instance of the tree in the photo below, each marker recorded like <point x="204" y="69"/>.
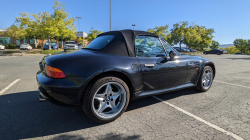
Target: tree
<point x="192" y="37"/>
<point x="16" y="32"/>
<point x="67" y="28"/>
<point x="178" y="32"/>
<point x="200" y="36"/>
<point x="162" y="32"/>
<point x="241" y="44"/>
<point x="214" y="45"/>
<point x="48" y="26"/>
<point x="24" y="23"/>
<point x="93" y="34"/>
<point x="248" y="46"/>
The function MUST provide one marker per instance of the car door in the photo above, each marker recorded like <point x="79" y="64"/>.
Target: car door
<point x="179" y="71"/>
<point x="157" y="69"/>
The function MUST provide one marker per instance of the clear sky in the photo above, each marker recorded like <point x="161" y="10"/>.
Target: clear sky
<point x="229" y="18"/>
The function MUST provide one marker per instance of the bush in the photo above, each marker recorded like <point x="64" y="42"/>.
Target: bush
<point x="33" y="52"/>
<point x="8" y="52"/>
<point x="11" y="46"/>
<point x="231" y="50"/>
<point x="39" y="47"/>
<point x="6" y="46"/>
<point x="50" y="51"/>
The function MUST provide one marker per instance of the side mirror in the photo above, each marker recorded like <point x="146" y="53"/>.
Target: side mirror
<point x="172" y="54"/>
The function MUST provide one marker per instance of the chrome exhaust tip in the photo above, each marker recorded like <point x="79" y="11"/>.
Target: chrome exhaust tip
<point x="41" y="99"/>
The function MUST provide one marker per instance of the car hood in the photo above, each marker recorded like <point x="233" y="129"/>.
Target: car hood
<point x="70" y="44"/>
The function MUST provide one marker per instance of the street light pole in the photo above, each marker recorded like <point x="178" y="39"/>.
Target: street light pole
<point x="133" y="26"/>
<point x="79" y="26"/>
<point x="110" y="15"/>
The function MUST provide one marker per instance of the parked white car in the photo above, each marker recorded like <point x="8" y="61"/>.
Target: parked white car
<point x="2" y="47"/>
<point x="70" y="45"/>
<point x="25" y="46"/>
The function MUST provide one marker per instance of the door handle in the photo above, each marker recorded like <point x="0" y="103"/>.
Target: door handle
<point x="149" y="65"/>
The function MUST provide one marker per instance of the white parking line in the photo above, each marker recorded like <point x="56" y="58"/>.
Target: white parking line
<point x="231" y="84"/>
<point x="200" y="119"/>
<point x="9" y="86"/>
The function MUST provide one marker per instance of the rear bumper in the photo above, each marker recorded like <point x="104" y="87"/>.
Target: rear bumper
<point x="67" y="90"/>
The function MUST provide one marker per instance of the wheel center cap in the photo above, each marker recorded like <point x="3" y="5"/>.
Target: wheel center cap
<point x="108" y="98"/>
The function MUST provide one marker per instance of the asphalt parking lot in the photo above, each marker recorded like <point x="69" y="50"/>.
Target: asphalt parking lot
<point x="221" y="113"/>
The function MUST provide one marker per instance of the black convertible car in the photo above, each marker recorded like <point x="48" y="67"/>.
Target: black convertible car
<point x="214" y="51"/>
<point x="117" y="67"/>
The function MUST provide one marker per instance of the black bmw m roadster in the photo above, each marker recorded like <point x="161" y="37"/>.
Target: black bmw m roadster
<point x="117" y="67"/>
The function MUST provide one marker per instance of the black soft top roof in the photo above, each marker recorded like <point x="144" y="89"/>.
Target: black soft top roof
<point x="124" y="41"/>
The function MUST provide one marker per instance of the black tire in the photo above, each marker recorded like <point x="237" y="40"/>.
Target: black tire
<point x="199" y="86"/>
<point x="90" y="92"/>
<point x="218" y="53"/>
<point x="205" y="53"/>
<point x="65" y="50"/>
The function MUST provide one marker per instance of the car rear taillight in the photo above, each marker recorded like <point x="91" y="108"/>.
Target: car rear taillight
<point x="54" y="72"/>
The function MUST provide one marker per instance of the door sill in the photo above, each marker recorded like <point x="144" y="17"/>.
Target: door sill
<point x="165" y="90"/>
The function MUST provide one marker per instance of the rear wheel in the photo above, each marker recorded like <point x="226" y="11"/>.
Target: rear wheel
<point x="65" y="50"/>
<point x="106" y="99"/>
<point x="218" y="53"/>
<point x="204" y="53"/>
<point x="205" y="79"/>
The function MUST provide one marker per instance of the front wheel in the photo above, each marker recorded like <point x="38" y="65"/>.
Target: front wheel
<point x="205" y="79"/>
<point x="106" y="99"/>
<point x="204" y="53"/>
<point x="218" y="53"/>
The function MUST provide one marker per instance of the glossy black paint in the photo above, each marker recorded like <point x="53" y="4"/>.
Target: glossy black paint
<point x="83" y="66"/>
<point x="144" y="75"/>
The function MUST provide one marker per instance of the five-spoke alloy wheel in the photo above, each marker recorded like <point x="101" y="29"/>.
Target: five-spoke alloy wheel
<point x="205" y="79"/>
<point x="109" y="100"/>
<point x="106" y="99"/>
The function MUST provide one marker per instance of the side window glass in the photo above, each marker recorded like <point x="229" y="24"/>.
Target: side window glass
<point x="167" y="47"/>
<point x="148" y="46"/>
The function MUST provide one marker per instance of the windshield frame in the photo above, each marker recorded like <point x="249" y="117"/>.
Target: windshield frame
<point x="176" y="52"/>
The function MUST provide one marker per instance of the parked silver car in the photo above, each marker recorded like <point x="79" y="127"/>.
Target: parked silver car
<point x="70" y="45"/>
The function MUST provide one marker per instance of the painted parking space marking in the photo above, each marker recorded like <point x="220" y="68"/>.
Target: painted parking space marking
<point x="9" y="86"/>
<point x="231" y="84"/>
<point x="200" y="119"/>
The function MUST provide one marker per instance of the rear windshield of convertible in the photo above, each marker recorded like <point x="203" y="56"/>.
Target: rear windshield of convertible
<point x="100" y="42"/>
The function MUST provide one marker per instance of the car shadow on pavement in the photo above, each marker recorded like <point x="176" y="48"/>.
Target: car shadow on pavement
<point x="22" y="116"/>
